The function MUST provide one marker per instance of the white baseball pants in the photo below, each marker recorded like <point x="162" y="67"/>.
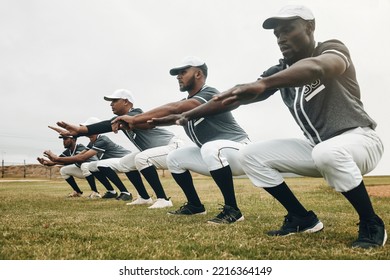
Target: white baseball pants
<point x="341" y="160"/>
<point x="75" y="171"/>
<point x="211" y="156"/>
<point x="140" y="160"/>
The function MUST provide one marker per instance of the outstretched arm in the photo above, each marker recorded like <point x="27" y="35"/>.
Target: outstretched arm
<point x="81" y="130"/>
<point x="303" y="72"/>
<point x="81" y="157"/>
<point x="66" y="129"/>
<point x="211" y="107"/>
<point x="140" y="121"/>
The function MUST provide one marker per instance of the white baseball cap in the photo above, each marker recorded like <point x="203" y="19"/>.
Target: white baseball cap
<point x="91" y="120"/>
<point x="120" y="94"/>
<point x="189" y="61"/>
<point x="287" y="13"/>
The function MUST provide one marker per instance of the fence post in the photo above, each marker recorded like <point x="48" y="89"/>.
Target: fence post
<point x="24" y="169"/>
<point x="2" y="168"/>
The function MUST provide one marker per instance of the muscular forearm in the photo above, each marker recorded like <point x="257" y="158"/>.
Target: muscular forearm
<point x="306" y="71"/>
<point x="71" y="160"/>
<point x="210" y="108"/>
<point x="140" y="121"/>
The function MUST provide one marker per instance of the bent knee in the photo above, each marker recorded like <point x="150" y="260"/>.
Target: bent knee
<point x="327" y="157"/>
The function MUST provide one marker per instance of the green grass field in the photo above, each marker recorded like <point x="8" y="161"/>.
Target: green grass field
<point x="38" y="222"/>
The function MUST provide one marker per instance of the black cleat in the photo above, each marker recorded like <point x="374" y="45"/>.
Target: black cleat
<point x="110" y="195"/>
<point x="294" y="224"/>
<point x="125" y="197"/>
<point x="189" y="209"/>
<point x="228" y="215"/>
<point x="372" y="233"/>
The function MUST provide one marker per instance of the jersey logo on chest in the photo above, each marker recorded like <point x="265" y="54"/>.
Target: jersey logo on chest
<point x="312" y="90"/>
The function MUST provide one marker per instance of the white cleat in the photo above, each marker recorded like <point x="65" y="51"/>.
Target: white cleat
<point x="161" y="203"/>
<point x="141" y="201"/>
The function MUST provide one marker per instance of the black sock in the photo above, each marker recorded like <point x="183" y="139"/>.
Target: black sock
<point x="72" y="182"/>
<point x="284" y="195"/>
<point x="113" y="177"/>
<point x="151" y="175"/>
<point x="91" y="181"/>
<point x="184" y="180"/>
<point x="103" y="179"/>
<point x="136" y="180"/>
<point x="224" y="179"/>
<point x="360" y="200"/>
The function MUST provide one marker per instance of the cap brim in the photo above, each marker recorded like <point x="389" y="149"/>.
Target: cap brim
<point x="64" y="137"/>
<point x="109" y="98"/>
<point x="272" y="22"/>
<point x="177" y="70"/>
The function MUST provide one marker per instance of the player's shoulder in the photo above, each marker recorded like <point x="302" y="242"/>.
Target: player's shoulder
<point x="80" y="146"/>
<point x="102" y="139"/>
<point x="205" y="94"/>
<point x="274" y="69"/>
<point x="209" y="89"/>
<point x="135" y="111"/>
<point x="332" y="44"/>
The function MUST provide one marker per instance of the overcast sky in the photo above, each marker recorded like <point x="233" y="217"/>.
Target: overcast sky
<point x="59" y="58"/>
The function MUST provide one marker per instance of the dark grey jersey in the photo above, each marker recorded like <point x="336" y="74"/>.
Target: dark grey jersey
<point x="148" y="138"/>
<point x="77" y="150"/>
<point x="215" y="127"/>
<point x="142" y="139"/>
<point x="327" y="107"/>
<point x="106" y="148"/>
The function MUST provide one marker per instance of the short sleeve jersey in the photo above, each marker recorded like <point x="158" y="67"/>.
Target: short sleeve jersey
<point x="215" y="127"/>
<point x="147" y="138"/>
<point x="77" y="150"/>
<point x="106" y="148"/>
<point x="326" y="107"/>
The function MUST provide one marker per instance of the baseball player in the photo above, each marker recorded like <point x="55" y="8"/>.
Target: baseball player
<point x="153" y="147"/>
<point x="73" y="168"/>
<point x="317" y="82"/>
<point x="217" y="138"/>
<point x="105" y="150"/>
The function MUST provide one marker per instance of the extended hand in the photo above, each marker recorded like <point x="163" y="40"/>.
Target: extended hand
<point x="59" y="130"/>
<point x="69" y="129"/>
<point x="122" y="122"/>
<point x="50" y="155"/>
<point x="41" y="160"/>
<point x="44" y="161"/>
<point x="245" y="93"/>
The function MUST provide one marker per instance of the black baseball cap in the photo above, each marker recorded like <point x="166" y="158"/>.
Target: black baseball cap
<point x="65" y="137"/>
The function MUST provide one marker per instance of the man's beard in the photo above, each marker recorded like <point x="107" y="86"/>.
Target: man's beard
<point x="189" y="86"/>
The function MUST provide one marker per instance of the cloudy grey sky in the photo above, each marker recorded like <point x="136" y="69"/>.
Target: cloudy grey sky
<point x="59" y="58"/>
